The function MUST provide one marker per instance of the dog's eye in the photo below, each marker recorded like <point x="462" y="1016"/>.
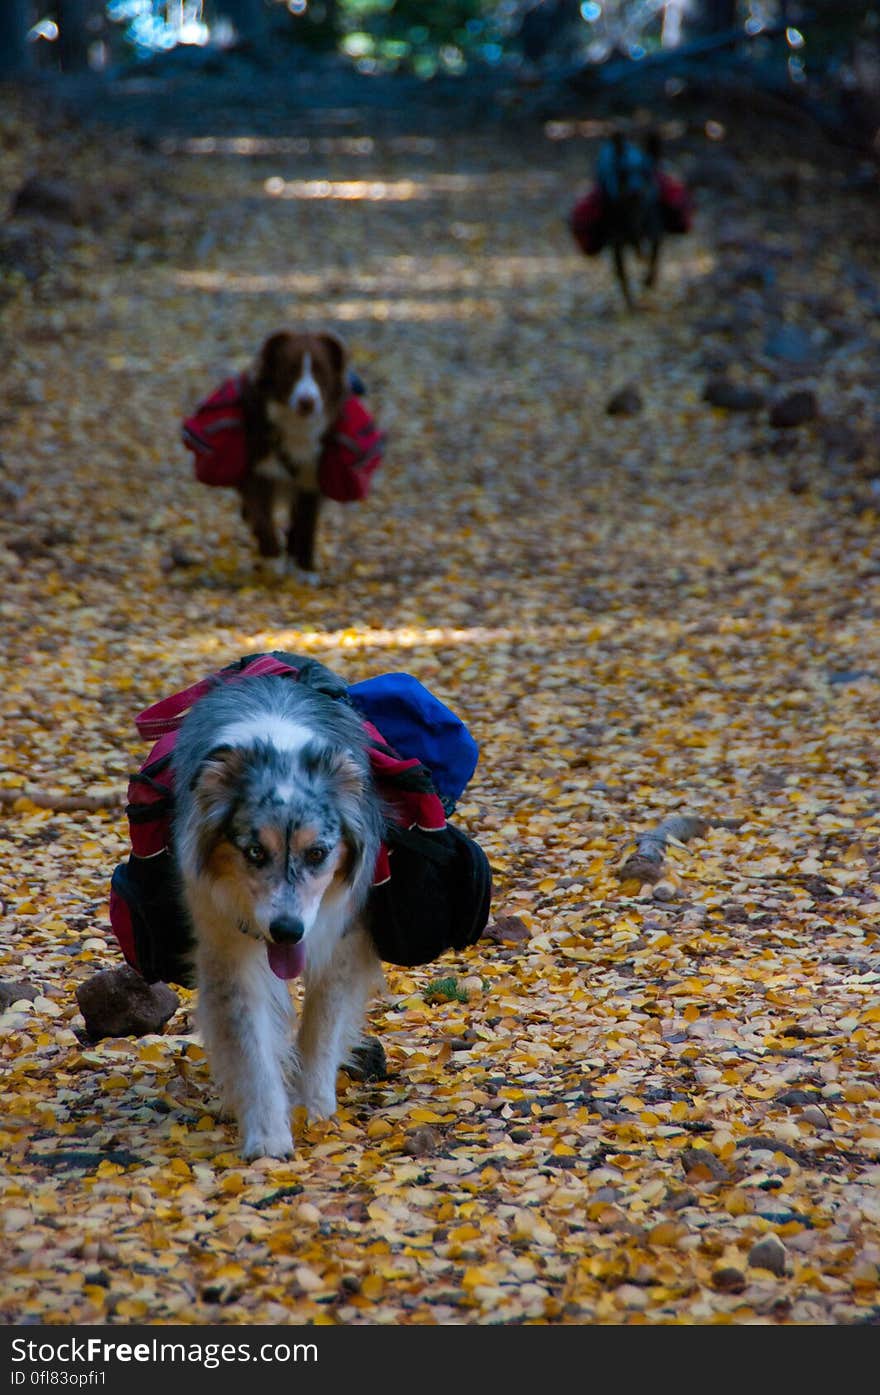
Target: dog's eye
<point x="313" y="857"/>
<point x="256" y="854"/>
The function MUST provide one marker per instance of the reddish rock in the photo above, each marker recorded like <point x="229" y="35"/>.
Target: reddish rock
<point x="507" y="930"/>
<point x="794" y="409"/>
<point x="119" y="1003"/>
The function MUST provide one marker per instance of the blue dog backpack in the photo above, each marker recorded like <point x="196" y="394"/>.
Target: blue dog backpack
<point x="413" y="720"/>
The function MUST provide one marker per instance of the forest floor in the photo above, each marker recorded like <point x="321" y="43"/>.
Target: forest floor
<point x="659" y="1103"/>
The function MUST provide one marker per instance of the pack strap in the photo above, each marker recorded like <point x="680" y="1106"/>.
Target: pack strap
<point x="420" y="841"/>
<point x="167" y="715"/>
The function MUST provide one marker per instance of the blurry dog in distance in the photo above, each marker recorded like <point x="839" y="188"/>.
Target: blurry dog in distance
<point x="276" y="831"/>
<point x="290" y="401"/>
<point x="627" y="175"/>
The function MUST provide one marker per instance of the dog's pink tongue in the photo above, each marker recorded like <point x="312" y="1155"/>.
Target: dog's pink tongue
<point x="287" y="961"/>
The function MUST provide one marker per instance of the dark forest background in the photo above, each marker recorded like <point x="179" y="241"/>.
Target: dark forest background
<point x="823" y="56"/>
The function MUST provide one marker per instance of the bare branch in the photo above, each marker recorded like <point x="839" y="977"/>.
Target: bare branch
<point x="63" y="803"/>
<point x="646" y="863"/>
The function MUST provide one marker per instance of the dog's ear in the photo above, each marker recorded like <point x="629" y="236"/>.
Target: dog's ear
<point x="264" y="365"/>
<point x="352" y="786"/>
<point x="337" y="351"/>
<point x="342" y="770"/>
<point x="349" y="778"/>
<point x="214" y="786"/>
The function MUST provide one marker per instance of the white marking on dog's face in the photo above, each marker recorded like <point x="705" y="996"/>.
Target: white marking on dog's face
<point x="305" y="397"/>
<point x="300" y="895"/>
<point x="276" y="731"/>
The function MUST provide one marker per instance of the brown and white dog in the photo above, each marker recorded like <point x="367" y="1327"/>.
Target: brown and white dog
<point x="290" y="400"/>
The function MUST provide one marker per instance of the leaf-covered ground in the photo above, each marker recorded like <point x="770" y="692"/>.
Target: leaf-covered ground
<point x="660" y="1103"/>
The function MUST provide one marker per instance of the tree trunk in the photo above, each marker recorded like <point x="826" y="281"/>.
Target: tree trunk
<point x="14" y="51"/>
<point x="73" y="34"/>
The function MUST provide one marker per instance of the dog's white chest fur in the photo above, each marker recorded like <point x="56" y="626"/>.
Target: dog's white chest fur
<point x="300" y="440"/>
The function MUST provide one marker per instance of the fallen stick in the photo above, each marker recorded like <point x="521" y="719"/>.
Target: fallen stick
<point x="646" y="863"/>
<point x="63" y="803"/>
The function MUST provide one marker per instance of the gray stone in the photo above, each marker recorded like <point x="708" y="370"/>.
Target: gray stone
<point x="791" y="344"/>
<point x="768" y="1253"/>
<point x="11" y="992"/>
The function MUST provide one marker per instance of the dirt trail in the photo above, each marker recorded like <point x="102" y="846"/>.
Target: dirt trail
<point x="637" y="615"/>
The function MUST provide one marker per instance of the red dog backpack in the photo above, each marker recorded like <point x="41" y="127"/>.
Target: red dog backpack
<point x="587" y="222"/>
<point x="352" y="455"/>
<point x="676" y="204"/>
<point x="432" y="884"/>
<point x="215" y="434"/>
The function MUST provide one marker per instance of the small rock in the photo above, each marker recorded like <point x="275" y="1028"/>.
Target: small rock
<point x="626" y="402"/>
<point x="790" y="343"/>
<point x="721" y="392"/>
<point x="519" y="1135"/>
<point x="815" y="1115"/>
<point x="797" y="482"/>
<point x="10" y="492"/>
<point x="693" y="1159"/>
<point x="472" y="985"/>
<point x="11" y="992"/>
<point x="664" y="891"/>
<point x="308" y="1213"/>
<point x="755" y="273"/>
<point x="794" y="409"/>
<point x="768" y="1253"/>
<point x="421" y="1142"/>
<point x="841" y="677"/>
<point x="507" y="930"/>
<point x="176" y="556"/>
<point x="119" y="1003"/>
<point x="842" y="443"/>
<point x="795" y="1096"/>
<point x="729" y="1280"/>
<point x="606" y="1194"/>
<point x="47" y="198"/>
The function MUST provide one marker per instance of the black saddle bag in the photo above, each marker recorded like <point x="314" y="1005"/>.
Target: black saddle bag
<point x="437" y="898"/>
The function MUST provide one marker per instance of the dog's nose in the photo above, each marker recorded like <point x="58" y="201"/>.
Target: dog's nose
<point x="286" y="929"/>
<point x="305" y="406"/>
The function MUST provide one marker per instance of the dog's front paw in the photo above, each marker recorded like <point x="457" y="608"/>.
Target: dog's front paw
<point x="319" y="1104"/>
<point x="267" y="1145"/>
<point x="300" y="575"/>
